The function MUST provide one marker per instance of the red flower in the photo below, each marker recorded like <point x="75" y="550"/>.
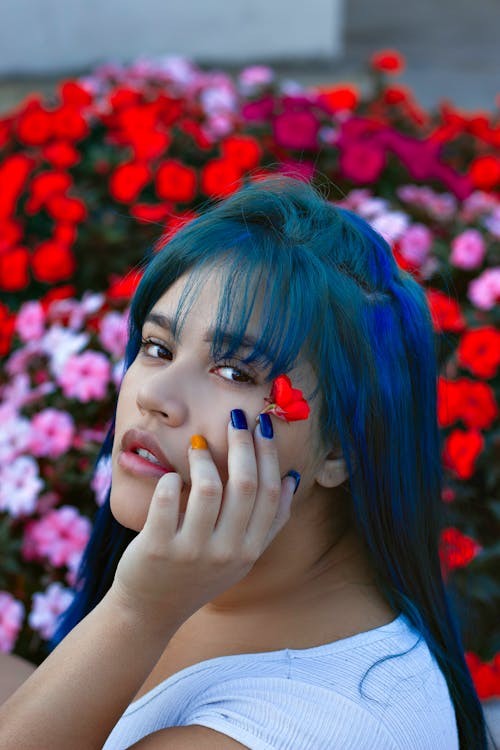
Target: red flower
<point x="339" y="98"/>
<point x="7" y="327"/>
<point x="243" y="151"/>
<point x="69" y="124"/>
<point x="461" y="450"/>
<point x="44" y="186"/>
<point x="10" y="233"/>
<point x="74" y="94"/>
<point x="296" y="130"/>
<point x="479" y="351"/>
<point x="128" y="180"/>
<point x="52" y="262"/>
<point x="65" y="234"/>
<point x="194" y="129"/>
<point x="362" y="163"/>
<point x="472" y="402"/>
<point x="14" y="265"/>
<point x="445" y="312"/>
<point x="35" y="125"/>
<point x="123" y="287"/>
<point x="220" y="178"/>
<point x="457" y="549"/>
<point x="484" y="172"/>
<point x="388" y="61"/>
<point x="176" y="182"/>
<point x="151" y="212"/>
<point x="61" y="154"/>
<point x="285" y="402"/>
<point x="174" y="223"/>
<point x="63" y="208"/>
<point x="13" y="174"/>
<point x="486" y="676"/>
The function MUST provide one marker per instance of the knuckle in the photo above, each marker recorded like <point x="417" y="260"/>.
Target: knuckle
<point x="273" y="491"/>
<point x="210" y="488"/>
<point x="247" y="485"/>
<point x="249" y="553"/>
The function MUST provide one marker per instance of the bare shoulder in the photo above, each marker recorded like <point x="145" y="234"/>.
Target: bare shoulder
<point x="13" y="672"/>
<point x="186" y="738"/>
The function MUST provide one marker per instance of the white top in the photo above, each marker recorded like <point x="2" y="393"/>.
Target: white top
<point x="308" y="699"/>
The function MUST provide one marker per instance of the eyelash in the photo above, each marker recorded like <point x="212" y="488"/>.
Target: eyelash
<point x="225" y="363"/>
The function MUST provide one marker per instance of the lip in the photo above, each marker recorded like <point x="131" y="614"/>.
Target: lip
<point x="134" y="439"/>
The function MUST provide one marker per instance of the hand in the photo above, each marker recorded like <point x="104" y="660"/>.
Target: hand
<point x="170" y="570"/>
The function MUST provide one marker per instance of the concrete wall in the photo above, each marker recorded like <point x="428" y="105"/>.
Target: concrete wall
<point x="45" y="36"/>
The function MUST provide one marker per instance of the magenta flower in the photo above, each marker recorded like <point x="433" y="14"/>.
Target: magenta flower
<point x="11" y="620"/>
<point x="60" y="536"/>
<point x="85" y="376"/>
<point x="259" y="110"/>
<point x="51" y="433"/>
<point x="362" y="162"/>
<point x="296" y="130"/>
<point x="47" y="607"/>
<point x="30" y="321"/>
<point x="468" y="249"/>
<point x="484" y="292"/>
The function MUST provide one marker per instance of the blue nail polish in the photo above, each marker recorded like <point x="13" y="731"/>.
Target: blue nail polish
<point x="266" y="426"/>
<point x="296" y="476"/>
<point x="238" y="419"/>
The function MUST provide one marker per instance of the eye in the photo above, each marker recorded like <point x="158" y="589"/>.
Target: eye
<point x="242" y="376"/>
<point x="146" y="345"/>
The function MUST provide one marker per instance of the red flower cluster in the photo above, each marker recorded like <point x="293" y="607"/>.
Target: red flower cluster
<point x="456" y="549"/>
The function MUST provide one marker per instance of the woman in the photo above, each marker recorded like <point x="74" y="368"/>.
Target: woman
<point x="265" y="575"/>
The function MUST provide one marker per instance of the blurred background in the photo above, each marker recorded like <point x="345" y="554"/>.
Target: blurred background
<point x="451" y="46"/>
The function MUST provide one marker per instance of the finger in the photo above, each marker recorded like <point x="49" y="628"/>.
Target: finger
<point x="241" y="486"/>
<point x="270" y="486"/>
<point x="203" y="505"/>
<point x="288" y="486"/>
<point x="163" y="514"/>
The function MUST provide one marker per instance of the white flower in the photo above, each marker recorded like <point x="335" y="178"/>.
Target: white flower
<point x="47" y="607"/>
<point x="20" y="485"/>
<point x="60" y="344"/>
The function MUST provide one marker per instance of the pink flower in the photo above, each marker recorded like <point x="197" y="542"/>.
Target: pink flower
<point x="484" y="292"/>
<point x="85" y="376"/>
<point x="60" y="536"/>
<point x="30" y="321"/>
<point x="255" y="76"/>
<point x="11" y="620"/>
<point x="113" y="331"/>
<point x="468" y="249"/>
<point x="296" y="130"/>
<point x="52" y="433"/>
<point x="47" y="607"/>
<point x="101" y="481"/>
<point x="415" y="244"/>
<point x="20" y="485"/>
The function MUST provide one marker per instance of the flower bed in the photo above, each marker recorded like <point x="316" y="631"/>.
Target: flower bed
<point x="89" y="181"/>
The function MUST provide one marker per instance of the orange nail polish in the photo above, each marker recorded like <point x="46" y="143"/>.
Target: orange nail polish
<point x="198" y="442"/>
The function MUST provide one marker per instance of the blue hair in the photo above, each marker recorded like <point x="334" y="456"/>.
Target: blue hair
<point x="333" y="293"/>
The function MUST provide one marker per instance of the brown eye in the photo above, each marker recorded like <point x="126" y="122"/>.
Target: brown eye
<point x="149" y="345"/>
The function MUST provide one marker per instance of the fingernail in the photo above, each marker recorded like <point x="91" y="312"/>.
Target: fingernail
<point x="296" y="476"/>
<point x="266" y="426"/>
<point x="198" y="442"/>
<point x="238" y="419"/>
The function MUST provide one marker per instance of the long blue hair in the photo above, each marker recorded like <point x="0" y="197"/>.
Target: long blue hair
<point x="332" y="292"/>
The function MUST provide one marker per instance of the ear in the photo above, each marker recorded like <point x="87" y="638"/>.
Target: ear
<point x="332" y="472"/>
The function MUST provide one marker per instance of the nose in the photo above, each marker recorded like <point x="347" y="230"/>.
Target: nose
<point x="153" y="397"/>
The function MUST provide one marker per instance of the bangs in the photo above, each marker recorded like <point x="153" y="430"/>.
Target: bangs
<point x="264" y="290"/>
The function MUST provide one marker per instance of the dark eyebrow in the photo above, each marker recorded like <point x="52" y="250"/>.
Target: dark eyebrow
<point x="247" y="342"/>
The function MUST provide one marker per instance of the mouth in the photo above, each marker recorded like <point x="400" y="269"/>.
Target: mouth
<point x="141" y="454"/>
